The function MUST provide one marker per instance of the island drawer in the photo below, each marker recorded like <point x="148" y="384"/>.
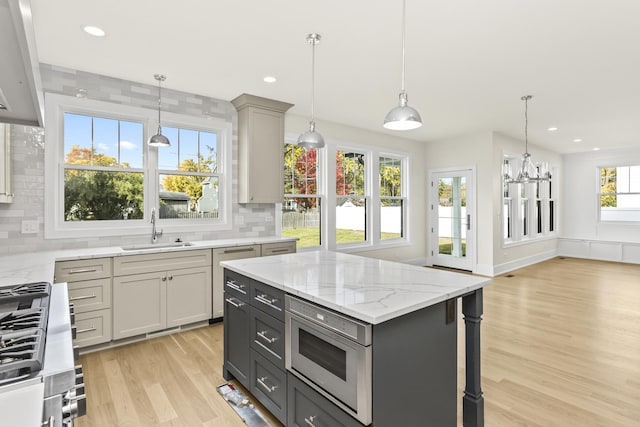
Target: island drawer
<point x="268" y="299"/>
<point x="93" y="328"/>
<point x="306" y="407"/>
<point x="267" y="337"/>
<point x="90" y="295"/>
<point x="269" y="386"/>
<point x="82" y="269"/>
<point x="237" y="285"/>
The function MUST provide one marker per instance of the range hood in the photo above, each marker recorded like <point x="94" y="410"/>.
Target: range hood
<point x="21" y="95"/>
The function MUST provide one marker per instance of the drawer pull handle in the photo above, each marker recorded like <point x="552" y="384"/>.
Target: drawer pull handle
<point x="276" y="251"/>
<point x="232" y="284"/>
<point x="83" y="270"/>
<point x="90" y="329"/>
<point x="265" y="300"/>
<point x="263" y="335"/>
<point x="265" y="386"/>
<point x="237" y="251"/>
<point x="235" y="304"/>
<point x="310" y="421"/>
<point x="82" y="297"/>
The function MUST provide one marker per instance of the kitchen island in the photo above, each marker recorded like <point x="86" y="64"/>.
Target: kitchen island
<point x="410" y="310"/>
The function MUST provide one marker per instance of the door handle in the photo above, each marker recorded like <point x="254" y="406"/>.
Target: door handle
<point x="468" y="221"/>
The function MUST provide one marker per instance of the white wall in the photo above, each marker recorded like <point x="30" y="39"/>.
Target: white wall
<point x="416" y="250"/>
<point x="582" y="234"/>
<point x="466" y="151"/>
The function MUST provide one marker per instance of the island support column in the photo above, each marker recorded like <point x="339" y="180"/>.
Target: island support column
<point x="472" y="401"/>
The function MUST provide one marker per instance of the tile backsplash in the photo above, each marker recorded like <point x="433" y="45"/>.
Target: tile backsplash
<point x="27" y="144"/>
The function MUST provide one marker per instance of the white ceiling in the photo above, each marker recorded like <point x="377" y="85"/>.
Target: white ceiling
<point x="468" y="62"/>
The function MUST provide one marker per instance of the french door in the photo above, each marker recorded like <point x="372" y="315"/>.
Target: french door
<point x="452" y="211"/>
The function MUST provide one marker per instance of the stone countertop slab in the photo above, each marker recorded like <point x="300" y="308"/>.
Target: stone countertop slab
<point x="367" y="289"/>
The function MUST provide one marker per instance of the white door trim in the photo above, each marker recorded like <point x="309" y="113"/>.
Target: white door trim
<point x="432" y="223"/>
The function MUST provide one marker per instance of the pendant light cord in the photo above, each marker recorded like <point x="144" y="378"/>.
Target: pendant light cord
<point x="526" y="99"/>
<point x="159" y="102"/>
<point x="313" y="76"/>
<point x="404" y="17"/>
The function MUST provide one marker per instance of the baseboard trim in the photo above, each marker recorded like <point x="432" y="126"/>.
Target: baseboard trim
<point x="601" y="250"/>
<point x="523" y="262"/>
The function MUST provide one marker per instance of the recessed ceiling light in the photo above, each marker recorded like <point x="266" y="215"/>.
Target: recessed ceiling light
<point x="269" y="79"/>
<point x="596" y="148"/>
<point x="552" y="129"/>
<point x="94" y="31"/>
<point x="577" y="140"/>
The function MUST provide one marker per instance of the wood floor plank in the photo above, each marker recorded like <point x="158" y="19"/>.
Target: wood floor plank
<point x="560" y="347"/>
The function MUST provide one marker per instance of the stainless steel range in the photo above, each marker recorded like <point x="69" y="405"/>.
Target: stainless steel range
<point x="36" y="353"/>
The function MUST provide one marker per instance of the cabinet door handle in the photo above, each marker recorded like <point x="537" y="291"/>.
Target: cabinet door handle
<point x="239" y="288"/>
<point x="170" y="277"/>
<point x="237" y="251"/>
<point x="235" y="304"/>
<point x="310" y="420"/>
<point x="83" y="270"/>
<point x="91" y="329"/>
<point x="81" y="297"/>
<point x="263" y="335"/>
<point x="263" y="298"/>
<point x="265" y="386"/>
<point x="164" y="278"/>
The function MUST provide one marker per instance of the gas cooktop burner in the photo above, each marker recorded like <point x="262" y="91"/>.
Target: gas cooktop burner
<point x="23" y="326"/>
<point x="24" y="292"/>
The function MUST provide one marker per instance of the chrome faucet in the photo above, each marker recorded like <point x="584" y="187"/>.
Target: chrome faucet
<point x="154" y="234"/>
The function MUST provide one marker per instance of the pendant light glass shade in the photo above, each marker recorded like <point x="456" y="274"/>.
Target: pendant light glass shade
<point x="528" y="171"/>
<point x="403" y="117"/>
<point x="311" y="138"/>
<point x="159" y="140"/>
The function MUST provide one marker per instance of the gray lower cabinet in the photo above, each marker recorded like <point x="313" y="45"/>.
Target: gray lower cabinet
<point x="254" y="340"/>
<point x="237" y="318"/>
<point x="306" y="408"/>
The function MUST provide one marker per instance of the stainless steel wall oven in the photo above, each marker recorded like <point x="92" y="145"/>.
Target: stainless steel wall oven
<point x="332" y="354"/>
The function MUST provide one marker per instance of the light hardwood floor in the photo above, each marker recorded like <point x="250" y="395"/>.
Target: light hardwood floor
<point x="560" y="347"/>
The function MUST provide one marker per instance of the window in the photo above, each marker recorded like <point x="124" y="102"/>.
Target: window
<point x="103" y="179"/>
<point x="620" y="193"/>
<point x="301" y="208"/>
<point x="327" y="203"/>
<point x="528" y="210"/>
<point x="351" y="201"/>
<point x="188" y="174"/>
<point x="391" y="198"/>
<point x="103" y="169"/>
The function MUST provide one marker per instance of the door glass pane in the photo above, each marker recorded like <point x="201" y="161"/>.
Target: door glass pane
<point x="452" y="216"/>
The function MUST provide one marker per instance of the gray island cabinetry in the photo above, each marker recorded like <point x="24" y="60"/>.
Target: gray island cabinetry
<point x="331" y="339"/>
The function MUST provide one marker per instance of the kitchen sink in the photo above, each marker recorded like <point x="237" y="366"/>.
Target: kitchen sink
<point x="150" y="246"/>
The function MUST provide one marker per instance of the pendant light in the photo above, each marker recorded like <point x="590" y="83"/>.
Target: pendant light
<point x="159" y="140"/>
<point x="311" y="138"/>
<point x="403" y="117"/>
<point x="528" y="171"/>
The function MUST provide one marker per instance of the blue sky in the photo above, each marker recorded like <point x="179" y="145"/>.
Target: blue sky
<point x="124" y="140"/>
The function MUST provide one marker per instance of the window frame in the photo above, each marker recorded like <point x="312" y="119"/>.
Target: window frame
<point x="327" y="195"/>
<point x="617" y="193"/>
<point x="527" y="195"/>
<point x="55" y="226"/>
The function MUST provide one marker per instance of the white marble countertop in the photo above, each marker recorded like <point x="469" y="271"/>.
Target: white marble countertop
<point x="367" y="289"/>
<point x="40" y="266"/>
